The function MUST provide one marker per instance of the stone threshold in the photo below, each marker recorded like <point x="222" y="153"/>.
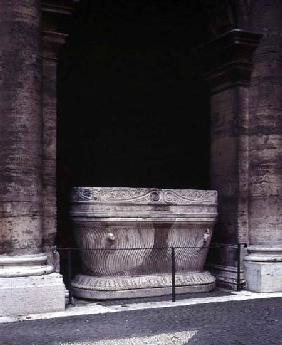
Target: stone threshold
<point x="94" y="308"/>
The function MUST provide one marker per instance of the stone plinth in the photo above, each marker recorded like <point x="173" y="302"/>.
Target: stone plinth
<point x="126" y="234"/>
<point x="32" y="294"/>
<point x="264" y="269"/>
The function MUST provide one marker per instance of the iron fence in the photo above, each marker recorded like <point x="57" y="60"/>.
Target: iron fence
<point x="169" y="260"/>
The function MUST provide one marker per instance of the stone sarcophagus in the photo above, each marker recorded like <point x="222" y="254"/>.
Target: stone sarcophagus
<point x="125" y="236"/>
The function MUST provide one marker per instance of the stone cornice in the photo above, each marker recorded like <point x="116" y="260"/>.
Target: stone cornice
<point x="227" y="60"/>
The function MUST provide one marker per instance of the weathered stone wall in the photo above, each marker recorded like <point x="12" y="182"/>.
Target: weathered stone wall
<point x="20" y="127"/>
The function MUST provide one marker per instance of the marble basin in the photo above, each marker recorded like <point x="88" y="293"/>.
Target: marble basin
<point x="125" y="237"/>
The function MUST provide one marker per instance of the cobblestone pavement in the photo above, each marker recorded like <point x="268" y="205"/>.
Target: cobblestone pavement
<point x="257" y="322"/>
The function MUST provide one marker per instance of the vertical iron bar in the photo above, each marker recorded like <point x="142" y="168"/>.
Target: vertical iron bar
<point x="173" y="274"/>
<point x="69" y="275"/>
<point x="238" y="267"/>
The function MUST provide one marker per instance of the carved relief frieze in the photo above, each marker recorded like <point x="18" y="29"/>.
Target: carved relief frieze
<point x="142" y="195"/>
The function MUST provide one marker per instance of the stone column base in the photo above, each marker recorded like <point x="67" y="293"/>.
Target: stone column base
<point x="101" y="288"/>
<point x="264" y="269"/>
<point x="28" y="286"/>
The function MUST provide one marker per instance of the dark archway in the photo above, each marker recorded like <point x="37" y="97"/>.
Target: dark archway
<point x="133" y="109"/>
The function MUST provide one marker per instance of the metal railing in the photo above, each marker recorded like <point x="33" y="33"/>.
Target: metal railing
<point x="162" y="254"/>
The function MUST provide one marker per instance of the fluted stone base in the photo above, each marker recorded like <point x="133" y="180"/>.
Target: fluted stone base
<point x="140" y="286"/>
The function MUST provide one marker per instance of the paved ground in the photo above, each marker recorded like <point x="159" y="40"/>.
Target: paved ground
<point x="257" y="322"/>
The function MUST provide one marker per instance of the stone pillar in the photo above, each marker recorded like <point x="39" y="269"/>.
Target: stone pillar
<point x="26" y="282"/>
<point x="246" y="140"/>
<point x="52" y="42"/>
<point x="264" y="261"/>
<point x="228" y="67"/>
<point x="54" y="21"/>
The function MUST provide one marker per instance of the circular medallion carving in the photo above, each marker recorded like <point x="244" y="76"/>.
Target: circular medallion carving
<point x="155" y="196"/>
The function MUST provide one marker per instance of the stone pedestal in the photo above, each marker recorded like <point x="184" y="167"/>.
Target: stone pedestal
<point x="32" y="294"/>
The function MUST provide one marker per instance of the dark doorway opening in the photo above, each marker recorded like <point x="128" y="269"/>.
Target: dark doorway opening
<point x="133" y="108"/>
